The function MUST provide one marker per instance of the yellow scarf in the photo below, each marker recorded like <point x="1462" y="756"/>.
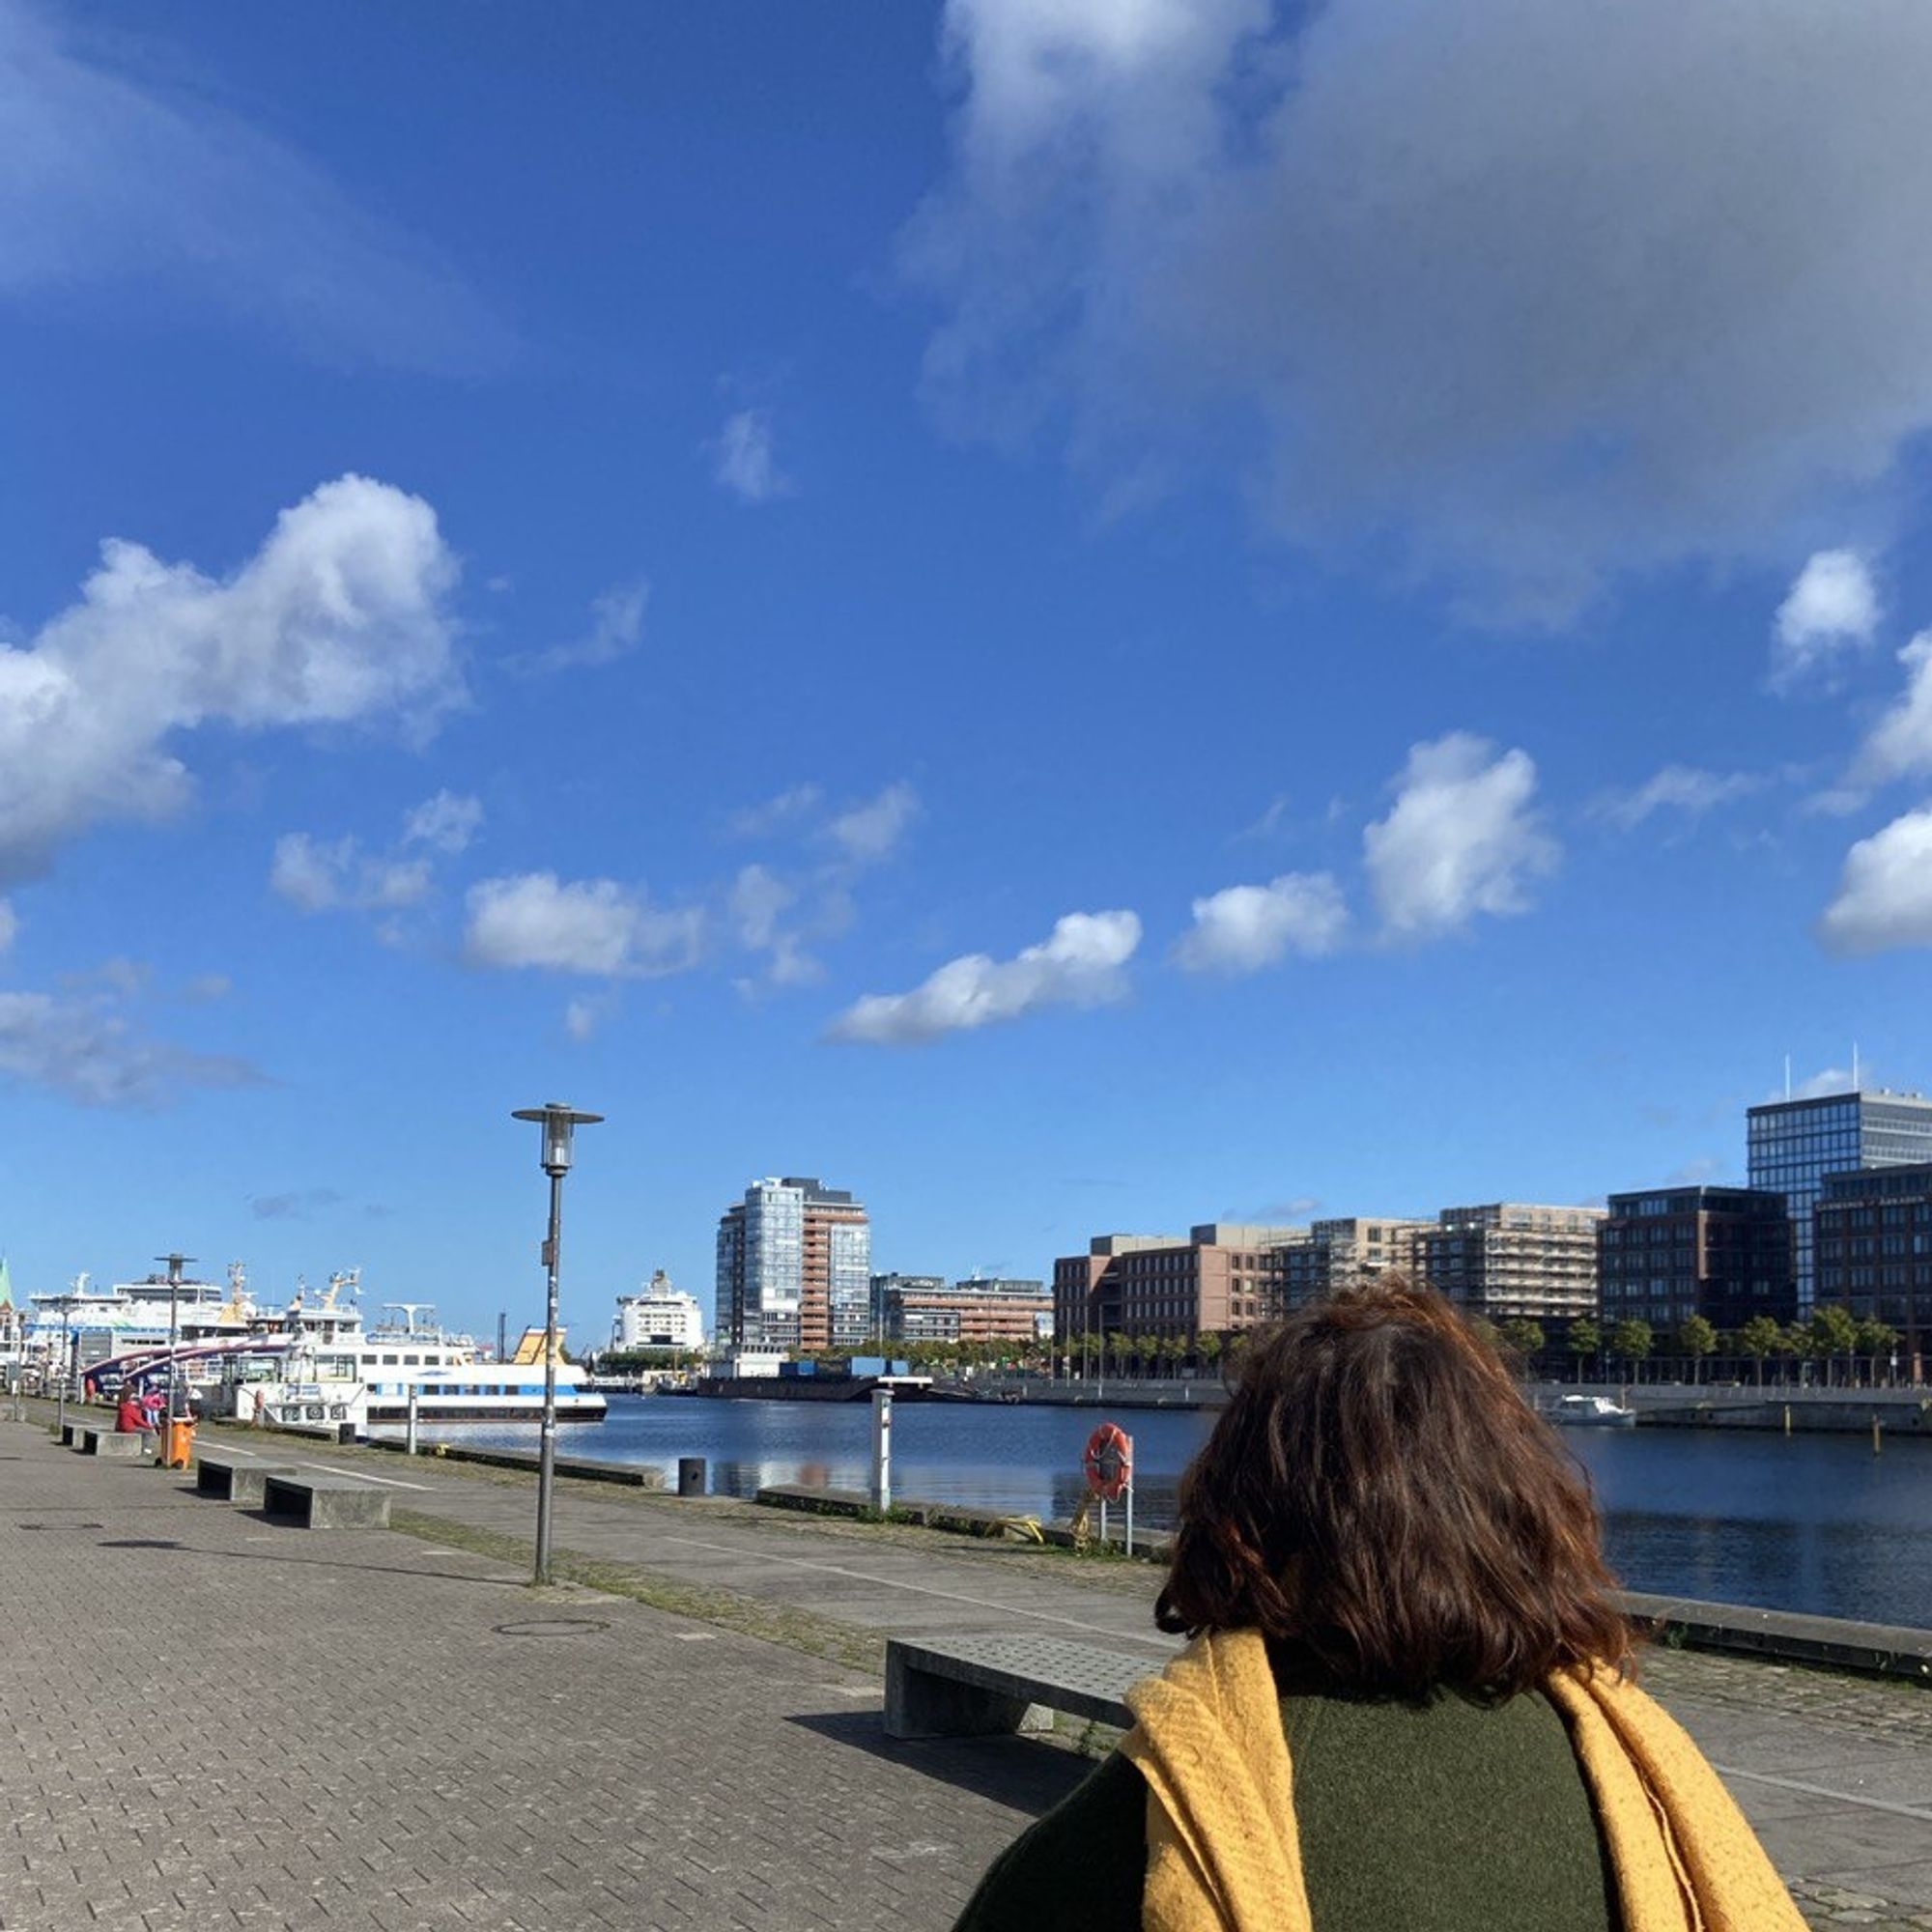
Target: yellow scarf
<point x="1224" y="1854"/>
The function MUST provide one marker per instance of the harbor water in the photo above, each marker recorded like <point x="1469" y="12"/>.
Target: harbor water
<point x="1803" y="1522"/>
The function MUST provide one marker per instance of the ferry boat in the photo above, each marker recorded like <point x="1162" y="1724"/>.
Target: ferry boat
<point x="312" y="1363"/>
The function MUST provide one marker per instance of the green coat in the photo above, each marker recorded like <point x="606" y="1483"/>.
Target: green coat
<point x="1453" y="1816"/>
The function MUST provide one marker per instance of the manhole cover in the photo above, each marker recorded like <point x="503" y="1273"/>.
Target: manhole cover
<point x="552" y="1627"/>
<point x="135" y="1543"/>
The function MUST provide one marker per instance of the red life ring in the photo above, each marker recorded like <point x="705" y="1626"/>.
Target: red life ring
<point x="1109" y="1461"/>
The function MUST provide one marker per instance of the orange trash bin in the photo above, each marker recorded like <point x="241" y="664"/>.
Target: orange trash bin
<point x="178" y="1442"/>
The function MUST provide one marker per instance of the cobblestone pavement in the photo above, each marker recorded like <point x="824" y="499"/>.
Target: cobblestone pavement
<point x="215" y="1721"/>
<point x="381" y="1750"/>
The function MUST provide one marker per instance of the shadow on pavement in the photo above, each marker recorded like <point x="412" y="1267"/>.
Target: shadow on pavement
<point x="1022" y="1773"/>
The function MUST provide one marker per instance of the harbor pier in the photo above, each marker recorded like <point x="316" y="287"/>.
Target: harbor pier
<point x="216" y="1720"/>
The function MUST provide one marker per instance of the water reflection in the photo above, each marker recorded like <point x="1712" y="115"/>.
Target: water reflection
<point x="1807" y="1522"/>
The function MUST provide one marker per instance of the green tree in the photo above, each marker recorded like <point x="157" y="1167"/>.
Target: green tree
<point x="1117" y="1345"/>
<point x="1587" y="1342"/>
<point x="1831" y="1332"/>
<point x="1759" y="1337"/>
<point x="1875" y="1339"/>
<point x="1487" y="1332"/>
<point x="1208" y="1350"/>
<point x="1524" y="1337"/>
<point x="1145" y="1348"/>
<point x="1632" y="1341"/>
<point x="1696" y="1338"/>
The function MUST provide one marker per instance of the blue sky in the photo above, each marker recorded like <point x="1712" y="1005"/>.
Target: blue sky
<point x="1070" y="616"/>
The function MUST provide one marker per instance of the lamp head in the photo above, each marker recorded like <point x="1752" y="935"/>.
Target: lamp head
<point x="559" y="1122"/>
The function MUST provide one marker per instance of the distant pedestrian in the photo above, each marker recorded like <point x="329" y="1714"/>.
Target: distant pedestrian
<point x="131" y="1418"/>
<point x="157" y="1406"/>
<point x="1408" y="1704"/>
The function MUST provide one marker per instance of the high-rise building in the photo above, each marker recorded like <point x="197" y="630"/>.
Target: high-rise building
<point x="1665" y="1253"/>
<point x="1872" y="1231"/>
<point x="1510" y="1258"/>
<point x="1793" y="1145"/>
<point x="794" y="1268"/>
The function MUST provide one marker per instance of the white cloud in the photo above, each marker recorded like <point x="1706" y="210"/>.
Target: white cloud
<point x="1080" y="965"/>
<point x="1827" y="1079"/>
<point x="1684" y="788"/>
<point x="744" y="462"/>
<point x="1243" y="928"/>
<point x="1541" y="291"/>
<point x="593" y="926"/>
<point x="207" y="988"/>
<point x="1461" y="839"/>
<point x="116" y="180"/>
<point x="870" y="831"/>
<point x="87" y="1051"/>
<point x="317" y="875"/>
<point x="447" y="822"/>
<point x="1832" y="607"/>
<point x="616" y="627"/>
<point x="1884" y="894"/>
<point x="582" y="1017"/>
<point x="754" y="822"/>
<point x="1900" y="744"/>
<point x="10" y="925"/>
<point x="338" y="619"/>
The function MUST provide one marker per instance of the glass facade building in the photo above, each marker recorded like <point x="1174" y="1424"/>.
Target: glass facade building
<point x="1792" y="1145"/>
<point x="794" y="1268"/>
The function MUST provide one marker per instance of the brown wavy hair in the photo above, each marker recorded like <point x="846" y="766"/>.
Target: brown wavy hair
<point x="1380" y="1501"/>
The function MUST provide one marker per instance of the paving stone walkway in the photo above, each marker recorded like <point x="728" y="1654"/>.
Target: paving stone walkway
<point x="208" y="1715"/>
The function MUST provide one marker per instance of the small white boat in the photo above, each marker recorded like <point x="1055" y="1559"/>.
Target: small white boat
<point x="1593" y="1411"/>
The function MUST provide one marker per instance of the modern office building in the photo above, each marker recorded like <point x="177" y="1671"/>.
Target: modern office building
<point x="1665" y="1253"/>
<point x="1793" y="1145"/>
<point x="658" y="1316"/>
<point x="1872" y="1236"/>
<point x="885" y="1286"/>
<point x="1511" y="1259"/>
<point x="980" y="1309"/>
<point x="1345" y="1249"/>
<point x="794" y="1268"/>
<point x="1220" y="1275"/>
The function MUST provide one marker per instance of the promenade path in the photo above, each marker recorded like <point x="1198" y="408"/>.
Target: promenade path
<point x="213" y="1720"/>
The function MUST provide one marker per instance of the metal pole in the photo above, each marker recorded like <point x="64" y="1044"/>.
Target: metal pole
<point x="882" y="1450"/>
<point x="1131" y="1516"/>
<point x="547" y="1447"/>
<point x="409" y="1431"/>
<point x="174" y="1344"/>
<point x="60" y="1407"/>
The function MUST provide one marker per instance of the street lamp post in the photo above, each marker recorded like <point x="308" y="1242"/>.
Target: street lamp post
<point x="176" y="1262"/>
<point x="558" y="1123"/>
<point x="60" y="1387"/>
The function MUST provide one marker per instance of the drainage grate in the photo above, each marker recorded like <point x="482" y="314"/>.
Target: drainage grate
<point x="552" y="1627"/>
<point x="61" y="1525"/>
<point x="135" y="1543"/>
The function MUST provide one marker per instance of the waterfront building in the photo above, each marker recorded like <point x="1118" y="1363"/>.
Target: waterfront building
<point x="925" y="1309"/>
<point x="1665" y="1253"/>
<point x="658" y="1316"/>
<point x="1221" y="1275"/>
<point x="1793" y="1145"/>
<point x="794" y="1268"/>
<point x="1510" y="1260"/>
<point x="1345" y="1249"/>
<point x="885" y="1286"/>
<point x="1872" y="1235"/>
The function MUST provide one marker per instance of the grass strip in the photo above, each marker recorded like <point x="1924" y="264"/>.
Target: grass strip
<point x="798" y="1630"/>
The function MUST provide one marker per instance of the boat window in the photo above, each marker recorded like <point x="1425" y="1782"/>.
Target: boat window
<point x="389" y="1361"/>
<point x="412" y="1361"/>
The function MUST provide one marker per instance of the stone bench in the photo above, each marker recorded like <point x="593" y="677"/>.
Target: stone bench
<point x="238" y="1479"/>
<point x="127" y="1447"/>
<point x="973" y="1686"/>
<point x="324" y="1502"/>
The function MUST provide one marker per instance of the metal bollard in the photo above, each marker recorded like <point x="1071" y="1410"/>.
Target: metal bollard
<point x="410" y="1427"/>
<point x="691" y="1475"/>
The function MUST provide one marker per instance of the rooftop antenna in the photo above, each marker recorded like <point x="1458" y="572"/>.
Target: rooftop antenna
<point x="1855" y="1066"/>
<point x="1787" y="1076"/>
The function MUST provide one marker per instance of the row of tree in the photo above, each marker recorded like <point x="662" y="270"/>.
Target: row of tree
<point x="1832" y="1337"/>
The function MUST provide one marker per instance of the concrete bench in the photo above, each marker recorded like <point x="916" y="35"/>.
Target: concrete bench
<point x="324" y="1502"/>
<point x="973" y="1686"/>
<point x="239" y="1479"/>
<point x="129" y="1447"/>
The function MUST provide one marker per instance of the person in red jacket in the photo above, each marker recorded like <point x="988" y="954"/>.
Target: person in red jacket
<point x="130" y="1419"/>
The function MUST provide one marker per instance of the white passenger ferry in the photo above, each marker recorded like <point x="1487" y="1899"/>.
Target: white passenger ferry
<point x="313" y="1364"/>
